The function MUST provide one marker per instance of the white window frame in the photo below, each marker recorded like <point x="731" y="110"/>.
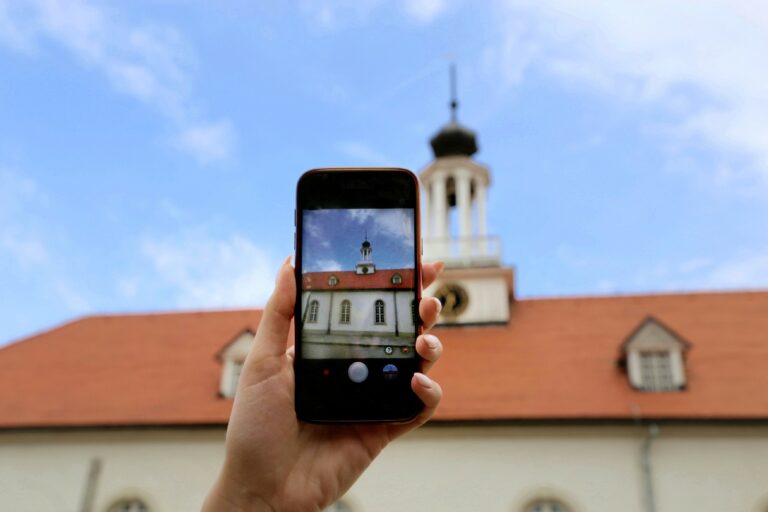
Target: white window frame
<point x="656" y="372"/>
<point x="379" y="311"/>
<point x="314" y="309"/>
<point x="345" y="312"/>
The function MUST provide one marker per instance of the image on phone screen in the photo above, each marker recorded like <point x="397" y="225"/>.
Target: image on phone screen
<point x="358" y="291"/>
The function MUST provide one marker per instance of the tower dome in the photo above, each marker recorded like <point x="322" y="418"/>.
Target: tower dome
<point x="454" y="139"/>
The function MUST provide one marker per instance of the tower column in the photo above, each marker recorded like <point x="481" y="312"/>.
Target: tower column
<point x="440" y="208"/>
<point x="482" y="227"/>
<point x="464" y="203"/>
<point x="426" y="212"/>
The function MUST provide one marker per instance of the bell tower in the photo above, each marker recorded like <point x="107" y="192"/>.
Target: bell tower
<point x="474" y="288"/>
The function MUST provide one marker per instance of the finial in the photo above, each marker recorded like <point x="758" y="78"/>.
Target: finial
<point x="454" y="99"/>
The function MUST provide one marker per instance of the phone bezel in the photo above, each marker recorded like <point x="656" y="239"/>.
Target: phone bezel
<point x="320" y="405"/>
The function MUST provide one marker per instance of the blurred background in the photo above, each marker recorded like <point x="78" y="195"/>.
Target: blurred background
<point x="149" y="152"/>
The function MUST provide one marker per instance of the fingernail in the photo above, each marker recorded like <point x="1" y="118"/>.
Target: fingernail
<point x="424" y="381"/>
<point x="431" y="341"/>
<point x="287" y="260"/>
<point x="440" y="266"/>
<point x="439" y="305"/>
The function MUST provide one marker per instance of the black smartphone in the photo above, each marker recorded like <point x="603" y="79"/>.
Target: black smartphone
<point x="358" y="276"/>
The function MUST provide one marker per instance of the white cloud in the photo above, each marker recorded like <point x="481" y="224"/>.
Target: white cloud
<point x="363" y="154"/>
<point x="20" y="239"/>
<point x="701" y="61"/>
<point x="72" y="300"/>
<point x="394" y="223"/>
<point x="423" y="11"/>
<point x="152" y="64"/>
<point x="744" y="271"/>
<point x="208" y="143"/>
<point x="327" y="265"/>
<point x="25" y="248"/>
<point x="23" y="243"/>
<point x="205" y="271"/>
<point x="337" y="14"/>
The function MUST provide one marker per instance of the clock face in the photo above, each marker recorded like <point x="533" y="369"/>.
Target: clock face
<point x="454" y="299"/>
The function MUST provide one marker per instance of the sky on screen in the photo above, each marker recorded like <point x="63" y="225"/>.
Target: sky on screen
<point x="149" y="150"/>
<point x="333" y="238"/>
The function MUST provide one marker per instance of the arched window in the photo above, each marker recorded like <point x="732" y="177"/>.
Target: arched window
<point x="546" y="506"/>
<point x="130" y="505"/>
<point x="346" y="312"/>
<point x="314" y="307"/>
<point x="414" y="312"/>
<point x="397" y="279"/>
<point x="379" y="310"/>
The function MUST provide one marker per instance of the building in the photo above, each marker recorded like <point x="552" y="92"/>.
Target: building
<point x="361" y="313"/>
<point x="638" y="403"/>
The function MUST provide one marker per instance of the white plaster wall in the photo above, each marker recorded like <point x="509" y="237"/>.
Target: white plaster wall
<point x="590" y="469"/>
<point x="363" y="313"/>
<point x="170" y="470"/>
<point x="440" y="468"/>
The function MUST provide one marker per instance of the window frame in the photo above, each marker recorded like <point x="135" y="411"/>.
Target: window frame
<point x="314" y="311"/>
<point x="345" y="312"/>
<point x="379" y="312"/>
<point x="656" y="371"/>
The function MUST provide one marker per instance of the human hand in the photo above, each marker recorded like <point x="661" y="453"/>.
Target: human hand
<point x="274" y="461"/>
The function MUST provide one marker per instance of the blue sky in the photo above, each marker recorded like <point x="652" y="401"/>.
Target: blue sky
<point x="333" y="237"/>
<point x="149" y="150"/>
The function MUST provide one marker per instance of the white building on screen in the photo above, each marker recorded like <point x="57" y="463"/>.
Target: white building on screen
<point x="362" y="313"/>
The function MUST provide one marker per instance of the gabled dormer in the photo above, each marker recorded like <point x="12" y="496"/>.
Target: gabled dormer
<point x="232" y="357"/>
<point x="654" y="357"/>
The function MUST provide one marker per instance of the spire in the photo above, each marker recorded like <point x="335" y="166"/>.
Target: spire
<point x="454" y="98"/>
<point x="365" y="265"/>
<point x="453" y="138"/>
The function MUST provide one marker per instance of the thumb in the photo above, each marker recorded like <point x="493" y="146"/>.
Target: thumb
<point x="272" y="335"/>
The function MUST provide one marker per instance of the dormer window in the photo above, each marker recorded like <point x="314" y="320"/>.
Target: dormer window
<point x="232" y="357"/>
<point x="653" y="355"/>
<point x="333" y="281"/>
<point x="656" y="370"/>
<point x="397" y="279"/>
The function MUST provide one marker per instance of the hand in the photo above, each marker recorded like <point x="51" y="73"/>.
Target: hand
<point x="274" y="461"/>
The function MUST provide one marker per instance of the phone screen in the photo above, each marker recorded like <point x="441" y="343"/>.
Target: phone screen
<point x="357" y="304"/>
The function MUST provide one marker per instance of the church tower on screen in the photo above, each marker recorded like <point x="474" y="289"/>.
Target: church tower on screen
<point x="475" y="288"/>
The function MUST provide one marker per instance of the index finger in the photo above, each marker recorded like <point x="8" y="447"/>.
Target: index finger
<point x="430" y="271"/>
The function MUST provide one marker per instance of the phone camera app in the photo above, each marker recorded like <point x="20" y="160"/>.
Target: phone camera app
<point x="358" y="288"/>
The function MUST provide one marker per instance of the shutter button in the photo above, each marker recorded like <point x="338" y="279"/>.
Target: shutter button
<point x="357" y="372"/>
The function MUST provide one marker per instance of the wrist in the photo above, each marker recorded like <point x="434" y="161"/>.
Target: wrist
<point x="228" y="495"/>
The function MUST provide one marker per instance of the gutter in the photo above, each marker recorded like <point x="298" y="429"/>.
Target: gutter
<point x="645" y="457"/>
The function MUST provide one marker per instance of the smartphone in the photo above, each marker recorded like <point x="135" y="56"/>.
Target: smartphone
<point x="358" y="276"/>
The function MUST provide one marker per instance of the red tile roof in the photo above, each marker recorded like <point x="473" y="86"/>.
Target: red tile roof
<point x="555" y="360"/>
<point x="349" y="280"/>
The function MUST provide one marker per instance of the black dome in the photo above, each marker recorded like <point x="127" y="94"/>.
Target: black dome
<point x="454" y="139"/>
<point x="366" y="244"/>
